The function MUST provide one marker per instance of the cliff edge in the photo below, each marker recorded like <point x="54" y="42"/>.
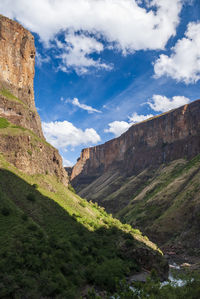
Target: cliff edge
<point x="161" y="139"/>
<point x="22" y="140"/>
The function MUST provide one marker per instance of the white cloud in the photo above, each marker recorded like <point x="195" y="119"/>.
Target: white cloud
<point x="122" y="24"/>
<point x="184" y="62"/>
<point x="67" y="163"/>
<point x="161" y="103"/>
<point x="158" y="103"/>
<point x="135" y="118"/>
<point x="64" y="134"/>
<point x="119" y="127"/>
<point x="40" y="59"/>
<point x="76" y="51"/>
<point x="76" y="102"/>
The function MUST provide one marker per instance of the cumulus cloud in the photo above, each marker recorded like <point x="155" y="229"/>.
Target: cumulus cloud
<point x="184" y="62"/>
<point x="119" y="127"/>
<point x="67" y="163"/>
<point x="64" y="134"/>
<point x="90" y="109"/>
<point x="123" y="24"/>
<point x="39" y="59"/>
<point x="161" y="103"/>
<point x="76" y="51"/>
<point x="135" y="118"/>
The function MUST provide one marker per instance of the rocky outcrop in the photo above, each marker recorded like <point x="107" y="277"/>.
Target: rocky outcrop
<point x="22" y="141"/>
<point x="164" y="138"/>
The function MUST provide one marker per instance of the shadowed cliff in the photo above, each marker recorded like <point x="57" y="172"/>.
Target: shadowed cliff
<point x="164" y="138"/>
<point x="149" y="177"/>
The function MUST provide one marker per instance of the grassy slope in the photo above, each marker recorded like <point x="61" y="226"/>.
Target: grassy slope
<point x="168" y="206"/>
<point x="164" y="203"/>
<point x="9" y="129"/>
<point x="53" y="243"/>
<point x="8" y="95"/>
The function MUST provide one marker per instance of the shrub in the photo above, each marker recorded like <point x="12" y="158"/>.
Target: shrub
<point x="129" y="243"/>
<point x="35" y="186"/>
<point x="137" y="232"/>
<point x="83" y="204"/>
<point x="5" y="211"/>
<point x="106" y="274"/>
<point x="24" y="217"/>
<point x="29" y="152"/>
<point x="32" y="227"/>
<point x="31" y="197"/>
<point x="71" y="188"/>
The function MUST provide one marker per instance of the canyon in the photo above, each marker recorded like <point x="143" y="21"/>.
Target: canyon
<point x="149" y="177"/>
<point x="54" y="244"/>
<point x="159" y="140"/>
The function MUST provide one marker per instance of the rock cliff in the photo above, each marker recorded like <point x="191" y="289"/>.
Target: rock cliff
<point x="164" y="138"/>
<point x="149" y="178"/>
<point x="22" y="140"/>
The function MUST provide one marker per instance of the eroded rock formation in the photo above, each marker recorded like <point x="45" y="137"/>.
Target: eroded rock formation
<point x="164" y="138"/>
<point x="22" y="142"/>
<point x="149" y="178"/>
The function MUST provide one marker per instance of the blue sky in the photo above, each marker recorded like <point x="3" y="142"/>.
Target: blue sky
<point x="103" y="65"/>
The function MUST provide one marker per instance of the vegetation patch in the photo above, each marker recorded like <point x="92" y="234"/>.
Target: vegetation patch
<point x="29" y="152"/>
<point x="55" y="243"/>
<point x="4" y="123"/>
<point x="8" y="95"/>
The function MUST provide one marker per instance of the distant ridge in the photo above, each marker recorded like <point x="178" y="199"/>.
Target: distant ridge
<point x="161" y="139"/>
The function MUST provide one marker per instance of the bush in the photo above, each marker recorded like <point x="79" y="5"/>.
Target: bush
<point x="107" y="274"/>
<point x="24" y="217"/>
<point x="32" y="227"/>
<point x="29" y="152"/>
<point x="35" y="186"/>
<point x="5" y="211"/>
<point x="31" y="197"/>
<point x="83" y="204"/>
<point x="71" y="188"/>
<point x="130" y="243"/>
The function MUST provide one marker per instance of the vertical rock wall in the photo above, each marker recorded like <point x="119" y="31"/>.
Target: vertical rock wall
<point x="22" y="143"/>
<point x="164" y="138"/>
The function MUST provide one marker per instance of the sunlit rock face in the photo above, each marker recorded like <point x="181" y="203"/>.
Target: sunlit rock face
<point x="24" y="145"/>
<point x="164" y="138"/>
<point x="17" y="56"/>
<point x="17" y="69"/>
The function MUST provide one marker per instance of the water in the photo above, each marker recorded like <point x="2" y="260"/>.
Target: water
<point x="175" y="282"/>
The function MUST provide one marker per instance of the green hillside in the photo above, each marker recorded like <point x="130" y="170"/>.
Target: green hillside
<point x="168" y="206"/>
<point x="162" y="202"/>
<point x="54" y="244"/>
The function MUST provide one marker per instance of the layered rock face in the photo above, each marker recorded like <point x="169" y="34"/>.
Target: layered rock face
<point x="164" y="138"/>
<point x="17" y="56"/>
<point x="17" y="60"/>
<point x="22" y="142"/>
<point x="149" y="178"/>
